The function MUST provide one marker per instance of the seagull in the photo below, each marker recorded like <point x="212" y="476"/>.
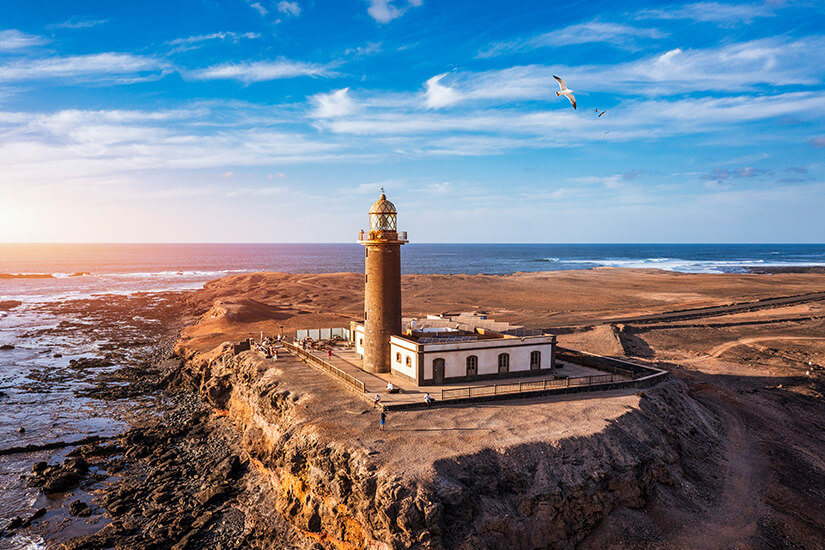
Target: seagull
<point x="565" y="92"/>
<point x="600" y="114"/>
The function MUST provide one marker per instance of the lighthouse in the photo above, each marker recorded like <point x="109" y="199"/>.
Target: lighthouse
<point x="382" y="283"/>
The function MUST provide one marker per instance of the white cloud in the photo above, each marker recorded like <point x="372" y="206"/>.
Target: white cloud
<point x="743" y="66"/>
<point x="385" y="11"/>
<point x="438" y="95"/>
<point x="15" y="40"/>
<point x="711" y="12"/>
<point x="623" y="36"/>
<point x="230" y="36"/>
<point x="334" y="104"/>
<point x="259" y="71"/>
<point x="259" y="8"/>
<point x="78" y="23"/>
<point x="289" y="8"/>
<point x="256" y="191"/>
<point x="119" y="67"/>
<point x="102" y="145"/>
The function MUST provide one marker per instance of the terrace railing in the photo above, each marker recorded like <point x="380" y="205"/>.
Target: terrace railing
<point x="529" y="386"/>
<point x="317" y="362"/>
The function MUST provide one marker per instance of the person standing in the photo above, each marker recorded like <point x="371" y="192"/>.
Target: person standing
<point x="329" y="354"/>
<point x="382" y="424"/>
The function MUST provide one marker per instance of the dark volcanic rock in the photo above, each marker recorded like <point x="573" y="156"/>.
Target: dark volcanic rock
<point x="7" y="347"/>
<point x="80" y="508"/>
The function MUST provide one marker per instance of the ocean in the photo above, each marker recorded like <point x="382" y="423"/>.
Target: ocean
<point x="84" y="270"/>
<point x="54" y="299"/>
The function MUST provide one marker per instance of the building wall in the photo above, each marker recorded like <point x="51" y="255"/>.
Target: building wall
<point x="382" y="304"/>
<point x="455" y="360"/>
<point x="359" y="340"/>
<point x="404" y="356"/>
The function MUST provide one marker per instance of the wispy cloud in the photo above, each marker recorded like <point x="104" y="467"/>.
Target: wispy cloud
<point x="80" y="144"/>
<point x="742" y="66"/>
<point x="289" y="8"/>
<point x="334" y="104"/>
<point x="78" y="23"/>
<point x="113" y="67"/>
<point x="193" y="42"/>
<point x="258" y="7"/>
<point x="712" y="12"/>
<point x="619" y="35"/>
<point x="259" y="71"/>
<point x="11" y="40"/>
<point x="256" y="191"/>
<point x="385" y="11"/>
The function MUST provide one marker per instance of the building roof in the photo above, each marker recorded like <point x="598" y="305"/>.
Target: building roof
<point x="382" y="206"/>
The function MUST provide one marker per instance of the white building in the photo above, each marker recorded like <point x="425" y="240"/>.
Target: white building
<point x="461" y="348"/>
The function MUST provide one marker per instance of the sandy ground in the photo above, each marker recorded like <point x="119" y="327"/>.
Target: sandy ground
<point x="760" y="371"/>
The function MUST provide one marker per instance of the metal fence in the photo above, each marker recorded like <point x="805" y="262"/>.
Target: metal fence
<point x="319" y="363"/>
<point x="322" y="333"/>
<point x="529" y="386"/>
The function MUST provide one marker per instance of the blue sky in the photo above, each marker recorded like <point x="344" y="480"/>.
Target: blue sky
<point x="278" y="121"/>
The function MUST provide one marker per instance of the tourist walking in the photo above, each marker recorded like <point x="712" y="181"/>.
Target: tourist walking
<point x="329" y="354"/>
<point x="382" y="424"/>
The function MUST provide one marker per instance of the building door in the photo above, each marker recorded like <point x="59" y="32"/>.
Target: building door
<point x="504" y="363"/>
<point x="472" y="366"/>
<point x="438" y="371"/>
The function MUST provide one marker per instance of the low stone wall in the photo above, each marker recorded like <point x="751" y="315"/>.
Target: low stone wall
<point x="644" y="377"/>
<point x="606" y="364"/>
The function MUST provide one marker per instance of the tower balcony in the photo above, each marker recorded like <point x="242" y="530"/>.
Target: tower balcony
<point x="382" y="236"/>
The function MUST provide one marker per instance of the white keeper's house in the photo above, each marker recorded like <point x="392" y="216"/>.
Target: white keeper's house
<point x="464" y="347"/>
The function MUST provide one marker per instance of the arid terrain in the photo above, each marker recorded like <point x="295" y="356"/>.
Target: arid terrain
<point x="726" y="454"/>
<point x="758" y="368"/>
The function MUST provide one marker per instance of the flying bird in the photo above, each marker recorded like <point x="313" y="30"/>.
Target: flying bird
<point x="600" y="113"/>
<point x="565" y="92"/>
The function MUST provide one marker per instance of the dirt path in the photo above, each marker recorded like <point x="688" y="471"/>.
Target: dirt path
<point x="733" y="519"/>
<point x="714" y="311"/>
<point x="722" y="348"/>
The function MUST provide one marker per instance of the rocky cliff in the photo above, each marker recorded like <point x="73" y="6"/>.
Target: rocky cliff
<point x="532" y="478"/>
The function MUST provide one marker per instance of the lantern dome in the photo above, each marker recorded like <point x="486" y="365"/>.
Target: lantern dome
<point x="383" y="216"/>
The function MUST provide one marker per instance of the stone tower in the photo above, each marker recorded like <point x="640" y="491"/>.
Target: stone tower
<point x="382" y="280"/>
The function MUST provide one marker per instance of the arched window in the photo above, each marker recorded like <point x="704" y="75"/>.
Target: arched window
<point x="472" y="365"/>
<point x="360" y="341"/>
<point x="397" y="357"/>
<point x="409" y="361"/>
<point x="535" y="360"/>
<point x="503" y="362"/>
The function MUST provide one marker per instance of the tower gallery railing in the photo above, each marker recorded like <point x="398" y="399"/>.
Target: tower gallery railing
<point x="319" y="363"/>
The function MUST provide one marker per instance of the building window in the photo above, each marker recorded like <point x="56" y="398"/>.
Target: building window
<point x="365" y="316"/>
<point x="397" y="357"/>
<point x="472" y="365"/>
<point x="409" y="361"/>
<point x="366" y="252"/>
<point x="503" y="362"/>
<point x="535" y="360"/>
<point x="366" y="278"/>
<point x="360" y="341"/>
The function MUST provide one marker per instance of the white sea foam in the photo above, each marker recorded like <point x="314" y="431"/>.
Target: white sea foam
<point x="686" y="265"/>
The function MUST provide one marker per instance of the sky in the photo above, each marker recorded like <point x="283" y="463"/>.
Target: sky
<point x="280" y="121"/>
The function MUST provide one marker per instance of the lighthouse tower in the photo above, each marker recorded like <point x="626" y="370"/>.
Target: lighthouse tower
<point x="382" y="280"/>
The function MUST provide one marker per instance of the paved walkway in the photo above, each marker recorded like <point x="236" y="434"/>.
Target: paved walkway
<point x="348" y="361"/>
